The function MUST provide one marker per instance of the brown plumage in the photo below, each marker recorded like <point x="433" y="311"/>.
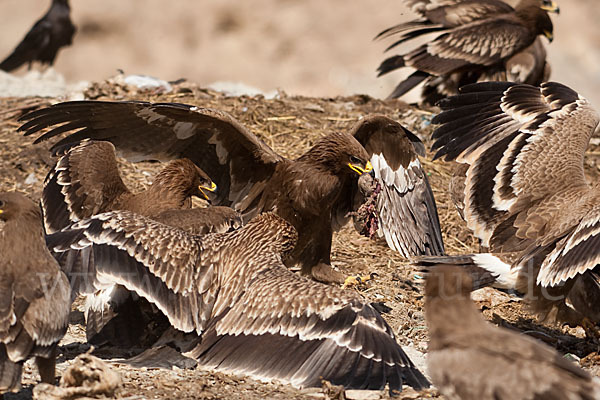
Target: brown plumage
<point x="406" y="209"/>
<point x="85" y="181"/>
<point x="479" y="40"/>
<point x="255" y="317"/>
<point x="53" y="31"/>
<point x="526" y="192"/>
<point x="34" y="294"/>
<point x="527" y="66"/>
<point x="313" y="192"/>
<point x="470" y="359"/>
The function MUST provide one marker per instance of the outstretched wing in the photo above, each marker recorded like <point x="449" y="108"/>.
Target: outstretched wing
<point x="82" y="183"/>
<point x="156" y="261"/>
<point x="458" y="12"/>
<point x="524" y="144"/>
<point x="300" y="331"/>
<point x="214" y="140"/>
<point x="445" y="14"/>
<point x="406" y="207"/>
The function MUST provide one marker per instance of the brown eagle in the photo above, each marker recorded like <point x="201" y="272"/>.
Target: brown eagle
<point x="254" y="315"/>
<point x="526" y="194"/>
<point x="314" y="192"/>
<point x="478" y="40"/>
<point x="53" y="31"/>
<point x="35" y="297"/>
<point x="471" y="359"/>
<point x="85" y="181"/>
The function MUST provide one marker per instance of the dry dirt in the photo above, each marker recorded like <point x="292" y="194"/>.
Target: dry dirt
<point x="290" y="125"/>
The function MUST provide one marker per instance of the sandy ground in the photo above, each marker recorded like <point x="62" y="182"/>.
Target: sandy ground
<point x="290" y="125"/>
<point x="307" y="47"/>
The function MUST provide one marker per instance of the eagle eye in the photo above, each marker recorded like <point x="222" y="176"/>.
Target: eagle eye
<point x="355" y="160"/>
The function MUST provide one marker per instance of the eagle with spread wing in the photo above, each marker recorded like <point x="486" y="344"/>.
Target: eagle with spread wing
<point x="526" y="193"/>
<point x="254" y="315"/>
<point x="479" y="40"/>
<point x="314" y="192"/>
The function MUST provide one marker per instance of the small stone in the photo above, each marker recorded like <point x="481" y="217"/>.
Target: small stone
<point x="363" y="394"/>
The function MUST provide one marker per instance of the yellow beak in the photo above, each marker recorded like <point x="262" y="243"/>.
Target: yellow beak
<point x="359" y="170"/>
<point x="552" y="7"/>
<point x="212" y="188"/>
<point x="1" y="211"/>
<point x="549" y="35"/>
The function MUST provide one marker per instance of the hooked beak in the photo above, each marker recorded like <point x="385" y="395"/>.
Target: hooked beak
<point x="359" y="170"/>
<point x="549" y="35"/>
<point x="551" y="7"/>
<point x="212" y="188"/>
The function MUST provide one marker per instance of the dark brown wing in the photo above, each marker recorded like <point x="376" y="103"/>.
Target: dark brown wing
<point x="300" y="331"/>
<point x="485" y="42"/>
<point x="214" y="140"/>
<point x="575" y="254"/>
<point x="523" y="144"/>
<point x="156" y="261"/>
<point x="406" y="207"/>
<point x="83" y="182"/>
<point x="440" y="15"/>
<point x="258" y="318"/>
<point x="458" y="12"/>
<point x="527" y="66"/>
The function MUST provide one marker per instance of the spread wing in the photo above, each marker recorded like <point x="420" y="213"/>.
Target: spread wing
<point x="440" y="15"/>
<point x="255" y="315"/>
<point x="525" y="187"/>
<point x="485" y="42"/>
<point x="458" y="12"/>
<point x="301" y="331"/>
<point x="406" y="207"/>
<point x="82" y="183"/>
<point x="159" y="262"/>
<point x="214" y="140"/>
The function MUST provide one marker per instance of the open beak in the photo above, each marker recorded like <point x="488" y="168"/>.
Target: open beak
<point x="359" y="170"/>
<point x="551" y="7"/>
<point x="549" y="35"/>
<point x="212" y="188"/>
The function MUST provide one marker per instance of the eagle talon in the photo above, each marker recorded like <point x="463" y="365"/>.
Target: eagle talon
<point x="357" y="280"/>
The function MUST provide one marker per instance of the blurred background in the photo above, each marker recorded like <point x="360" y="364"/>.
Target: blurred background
<point x="306" y="47"/>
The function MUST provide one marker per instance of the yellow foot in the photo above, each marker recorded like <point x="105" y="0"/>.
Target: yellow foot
<point x="357" y="280"/>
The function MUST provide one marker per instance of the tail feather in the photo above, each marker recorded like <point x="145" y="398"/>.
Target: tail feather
<point x="413" y="80"/>
<point x="485" y="269"/>
<point x="390" y="64"/>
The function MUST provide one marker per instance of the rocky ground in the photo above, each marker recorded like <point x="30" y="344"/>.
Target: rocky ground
<point x="290" y="125"/>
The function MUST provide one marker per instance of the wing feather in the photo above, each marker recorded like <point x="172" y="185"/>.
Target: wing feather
<point x="158" y="262"/>
<point x="406" y="207"/>
<point x="214" y="140"/>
